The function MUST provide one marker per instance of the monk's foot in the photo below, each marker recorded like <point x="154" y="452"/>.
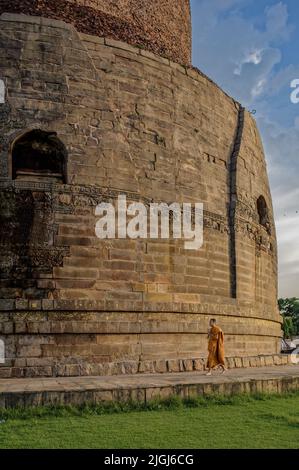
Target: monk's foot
<point x="209" y="373"/>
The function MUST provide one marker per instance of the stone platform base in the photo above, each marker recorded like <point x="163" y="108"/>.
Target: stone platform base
<point x="142" y="367"/>
<point x="144" y="387"/>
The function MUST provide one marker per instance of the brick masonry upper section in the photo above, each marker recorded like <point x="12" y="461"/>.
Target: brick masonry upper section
<point x="163" y="27"/>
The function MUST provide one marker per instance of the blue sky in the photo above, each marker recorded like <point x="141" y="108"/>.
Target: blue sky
<point x="251" y="49"/>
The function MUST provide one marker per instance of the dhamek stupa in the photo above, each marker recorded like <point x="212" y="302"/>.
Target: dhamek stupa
<point x="99" y="99"/>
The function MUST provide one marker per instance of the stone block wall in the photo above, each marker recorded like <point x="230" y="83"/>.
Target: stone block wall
<point x="133" y="123"/>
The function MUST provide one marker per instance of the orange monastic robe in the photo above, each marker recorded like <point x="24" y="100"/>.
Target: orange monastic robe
<point x="215" y="348"/>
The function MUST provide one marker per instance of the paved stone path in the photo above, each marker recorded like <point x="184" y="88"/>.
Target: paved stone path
<point x="145" y="386"/>
<point x="144" y="380"/>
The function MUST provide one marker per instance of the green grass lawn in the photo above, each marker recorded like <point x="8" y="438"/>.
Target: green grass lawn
<point x="207" y="423"/>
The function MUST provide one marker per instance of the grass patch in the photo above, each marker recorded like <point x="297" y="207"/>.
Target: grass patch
<point x="213" y="421"/>
<point x="170" y="403"/>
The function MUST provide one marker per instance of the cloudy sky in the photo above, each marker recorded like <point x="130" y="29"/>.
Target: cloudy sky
<point x="251" y="49"/>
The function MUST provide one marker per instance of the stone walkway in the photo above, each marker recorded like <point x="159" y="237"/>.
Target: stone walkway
<point x="143" y="387"/>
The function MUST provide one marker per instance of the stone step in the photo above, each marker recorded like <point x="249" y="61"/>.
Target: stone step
<point x="145" y="387"/>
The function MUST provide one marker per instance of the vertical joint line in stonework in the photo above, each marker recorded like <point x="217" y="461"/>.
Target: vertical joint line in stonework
<point x="233" y="168"/>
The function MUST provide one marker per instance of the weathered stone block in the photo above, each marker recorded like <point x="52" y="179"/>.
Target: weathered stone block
<point x="187" y="365"/>
<point x="269" y="360"/>
<point x="238" y="362"/>
<point x="245" y="362"/>
<point x="146" y="367"/>
<point x="22" y="304"/>
<point x="173" y="365"/>
<point x="160" y="366"/>
<point x="199" y="364"/>
<point x="6" y="304"/>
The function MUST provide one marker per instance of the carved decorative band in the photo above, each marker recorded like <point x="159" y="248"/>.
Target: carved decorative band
<point x="65" y="199"/>
<point x="141" y="367"/>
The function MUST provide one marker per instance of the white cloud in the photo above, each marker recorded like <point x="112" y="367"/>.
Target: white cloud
<point x="244" y="57"/>
<point x="235" y="52"/>
<point x="282" y="150"/>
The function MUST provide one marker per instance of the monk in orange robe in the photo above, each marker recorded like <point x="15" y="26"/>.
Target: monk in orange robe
<point x="216" y="348"/>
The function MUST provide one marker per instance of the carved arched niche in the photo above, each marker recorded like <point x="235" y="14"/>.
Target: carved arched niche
<point x="263" y="214"/>
<point x="39" y="155"/>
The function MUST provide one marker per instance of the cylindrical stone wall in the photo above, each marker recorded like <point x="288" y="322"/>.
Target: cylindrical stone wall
<point x="160" y="26"/>
<point x="135" y="124"/>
